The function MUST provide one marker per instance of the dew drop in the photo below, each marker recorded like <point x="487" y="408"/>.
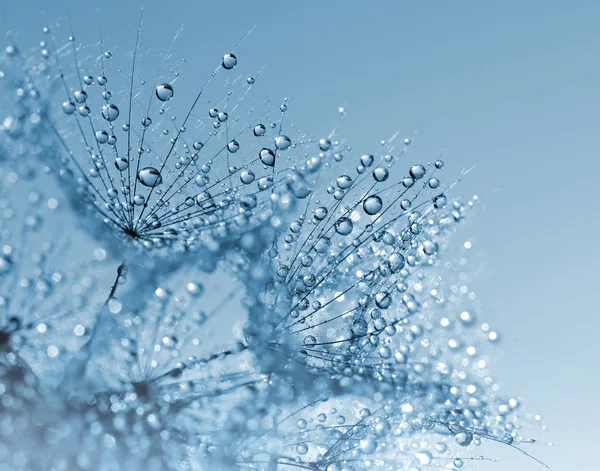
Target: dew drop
<point x="344" y="226"/>
<point x="149" y="176"/>
<point x="110" y="112"/>
<point x="381" y="174"/>
<point x="417" y="171"/>
<point x="372" y="205"/>
<point x="247" y="176"/>
<point x="344" y="182"/>
<point x="267" y="157"/>
<point x="121" y="163"/>
<point x="164" y="92"/>
<point x="283" y="142"/>
<point x="68" y="107"/>
<point x="233" y="146"/>
<point x="229" y="61"/>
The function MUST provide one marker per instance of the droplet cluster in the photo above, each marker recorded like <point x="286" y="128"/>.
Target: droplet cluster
<point x="189" y="281"/>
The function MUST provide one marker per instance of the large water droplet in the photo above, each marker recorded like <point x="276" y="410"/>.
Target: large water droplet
<point x="344" y="226"/>
<point x="417" y="171"/>
<point x="247" y="176"/>
<point x="283" y="142"/>
<point x="164" y="92"/>
<point x="229" y="61"/>
<point x="233" y="146"/>
<point x="267" y="157"/>
<point x="149" y="176"/>
<point x="121" y="163"/>
<point x="344" y="182"/>
<point x="110" y="112"/>
<point x="372" y="205"/>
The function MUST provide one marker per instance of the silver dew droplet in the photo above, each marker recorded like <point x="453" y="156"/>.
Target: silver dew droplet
<point x="164" y="92"/>
<point x="149" y="176"/>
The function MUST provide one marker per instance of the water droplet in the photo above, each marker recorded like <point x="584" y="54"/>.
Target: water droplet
<point x="464" y="438"/>
<point x="80" y="96"/>
<point x="101" y="137"/>
<point x="344" y="226"/>
<point x="439" y="201"/>
<point x="282" y="142"/>
<point x="229" y="61"/>
<point x="417" y="171"/>
<point x="164" y="92"/>
<point x="68" y="107"/>
<point x="259" y="130"/>
<point x="381" y="174"/>
<point x="247" y="176"/>
<point x="121" y="163"/>
<point x="344" y="182"/>
<point x="324" y="144"/>
<point x="367" y="160"/>
<point x="233" y="146"/>
<point x="372" y="205"/>
<point x="149" y="176"/>
<point x="267" y="157"/>
<point x="433" y="183"/>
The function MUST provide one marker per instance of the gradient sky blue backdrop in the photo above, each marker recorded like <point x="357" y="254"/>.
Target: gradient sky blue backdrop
<point x="512" y="87"/>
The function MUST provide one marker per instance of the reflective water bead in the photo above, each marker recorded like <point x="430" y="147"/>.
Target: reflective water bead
<point x="101" y="137"/>
<point x="110" y="112"/>
<point x="229" y="61"/>
<point x="367" y="160"/>
<point x="344" y="226"/>
<point x="233" y="146"/>
<point x="324" y="144"/>
<point x="344" y="182"/>
<point x="267" y="157"/>
<point x="372" y="205"/>
<point x="283" y="142"/>
<point x="121" y="163"/>
<point x="164" y="92"/>
<point x="439" y="201"/>
<point x="68" y="107"/>
<point x="381" y="174"/>
<point x="149" y="176"/>
<point x="80" y="96"/>
<point x="247" y="176"/>
<point x="417" y="171"/>
<point x="259" y="130"/>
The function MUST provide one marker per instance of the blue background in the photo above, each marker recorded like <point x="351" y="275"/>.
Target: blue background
<point x="510" y="87"/>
